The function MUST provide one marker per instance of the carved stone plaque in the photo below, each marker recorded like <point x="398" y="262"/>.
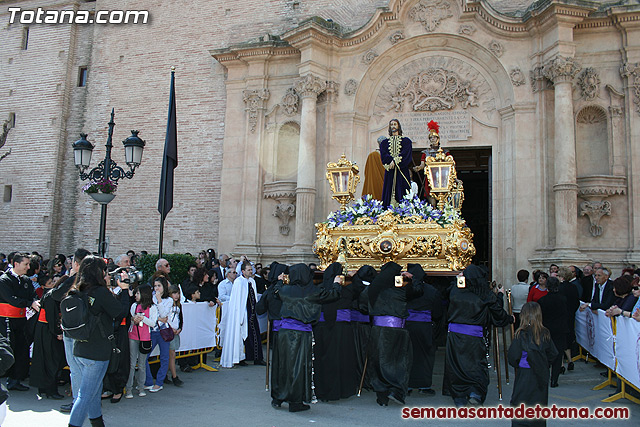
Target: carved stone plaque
<point x="454" y="126"/>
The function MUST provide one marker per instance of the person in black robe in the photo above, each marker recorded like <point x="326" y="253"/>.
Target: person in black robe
<point x="422" y="311"/>
<point x="335" y="353"/>
<point x="269" y="303"/>
<point x="531" y="353"/>
<point x="390" y="354"/>
<point x="361" y="322"/>
<point x="301" y="301"/>
<point x="554" y="318"/>
<point x="48" y="349"/>
<point x="472" y="311"/>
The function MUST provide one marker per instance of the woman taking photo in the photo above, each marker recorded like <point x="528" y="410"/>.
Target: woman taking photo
<point x="93" y="355"/>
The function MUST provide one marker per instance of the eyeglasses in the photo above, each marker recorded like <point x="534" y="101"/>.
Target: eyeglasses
<point x="635" y="288"/>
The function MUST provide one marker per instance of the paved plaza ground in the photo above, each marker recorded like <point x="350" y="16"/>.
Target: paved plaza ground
<point x="237" y="397"/>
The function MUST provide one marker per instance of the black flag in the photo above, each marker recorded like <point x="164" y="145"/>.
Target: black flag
<point x="170" y="157"/>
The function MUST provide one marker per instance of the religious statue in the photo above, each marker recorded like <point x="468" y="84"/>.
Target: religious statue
<point x="434" y="146"/>
<point x="374" y="174"/>
<point x="395" y="153"/>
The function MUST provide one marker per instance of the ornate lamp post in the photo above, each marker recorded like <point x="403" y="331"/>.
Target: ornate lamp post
<point x="107" y="170"/>
<point x="441" y="174"/>
<point x="343" y="178"/>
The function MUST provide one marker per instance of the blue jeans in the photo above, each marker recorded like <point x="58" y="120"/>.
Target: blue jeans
<point x="156" y="339"/>
<point x="88" y="400"/>
<point x="74" y="367"/>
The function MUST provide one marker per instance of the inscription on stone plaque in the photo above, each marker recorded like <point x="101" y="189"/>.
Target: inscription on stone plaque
<point x="454" y="126"/>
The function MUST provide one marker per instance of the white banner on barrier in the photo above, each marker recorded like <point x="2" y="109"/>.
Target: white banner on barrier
<point x="198" y="329"/>
<point x="628" y="349"/>
<point x="594" y="334"/>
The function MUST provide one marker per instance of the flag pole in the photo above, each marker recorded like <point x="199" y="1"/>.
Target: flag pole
<point x="165" y="167"/>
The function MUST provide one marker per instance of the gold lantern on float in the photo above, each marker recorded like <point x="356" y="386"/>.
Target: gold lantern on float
<point x="441" y="173"/>
<point x="343" y="178"/>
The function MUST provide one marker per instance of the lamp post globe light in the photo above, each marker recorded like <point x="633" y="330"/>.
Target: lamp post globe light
<point x="103" y="179"/>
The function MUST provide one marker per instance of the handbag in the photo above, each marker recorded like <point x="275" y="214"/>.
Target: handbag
<point x="143" y="346"/>
<point x="167" y="334"/>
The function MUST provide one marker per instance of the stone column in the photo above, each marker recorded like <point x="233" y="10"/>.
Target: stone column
<point x="308" y="87"/>
<point x="561" y="71"/>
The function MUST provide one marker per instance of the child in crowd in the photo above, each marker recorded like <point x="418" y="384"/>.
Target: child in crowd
<point x="164" y="303"/>
<point x="144" y="315"/>
<point x="175" y="322"/>
<point x="531" y="354"/>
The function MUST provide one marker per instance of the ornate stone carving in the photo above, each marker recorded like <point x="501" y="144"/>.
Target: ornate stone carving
<point x="466" y="30"/>
<point x="290" y="102"/>
<point x="432" y="90"/>
<point x="496" y="48"/>
<point x="368" y="57"/>
<point x="517" y="76"/>
<point x="591" y="114"/>
<point x="310" y="86"/>
<point x="283" y="192"/>
<point x="589" y="83"/>
<point x="430" y="12"/>
<point x="599" y="187"/>
<point x="350" y="87"/>
<point x="561" y="69"/>
<point x="595" y="210"/>
<point x="632" y="73"/>
<point x="538" y="82"/>
<point x="396" y="37"/>
<point x="254" y="100"/>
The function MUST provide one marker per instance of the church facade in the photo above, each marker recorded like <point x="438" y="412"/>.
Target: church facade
<point x="548" y="91"/>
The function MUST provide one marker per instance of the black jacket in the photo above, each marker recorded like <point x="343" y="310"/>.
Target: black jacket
<point x="18" y="292"/>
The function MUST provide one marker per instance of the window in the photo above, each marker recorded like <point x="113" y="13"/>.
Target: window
<point x="8" y="190"/>
<point x="82" y="77"/>
<point x="12" y="120"/>
<point x="25" y="38"/>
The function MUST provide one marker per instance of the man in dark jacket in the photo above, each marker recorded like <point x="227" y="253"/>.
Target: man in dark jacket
<point x="16" y="295"/>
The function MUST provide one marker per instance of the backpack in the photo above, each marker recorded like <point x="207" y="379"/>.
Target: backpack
<point x="76" y="319"/>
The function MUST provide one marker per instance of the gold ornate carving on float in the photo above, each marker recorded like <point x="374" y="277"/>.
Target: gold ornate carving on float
<point x="414" y="232"/>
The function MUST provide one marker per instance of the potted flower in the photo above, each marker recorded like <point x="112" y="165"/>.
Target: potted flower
<point x="102" y="191"/>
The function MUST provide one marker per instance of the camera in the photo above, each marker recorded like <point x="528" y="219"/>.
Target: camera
<point x="132" y="275"/>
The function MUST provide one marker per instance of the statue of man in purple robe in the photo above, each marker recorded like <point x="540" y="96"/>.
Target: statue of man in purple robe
<point x="395" y="153"/>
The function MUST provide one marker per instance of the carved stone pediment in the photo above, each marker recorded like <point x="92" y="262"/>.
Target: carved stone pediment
<point x="430" y="12"/>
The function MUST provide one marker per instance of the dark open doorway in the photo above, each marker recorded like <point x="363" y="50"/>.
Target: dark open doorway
<point x="474" y="169"/>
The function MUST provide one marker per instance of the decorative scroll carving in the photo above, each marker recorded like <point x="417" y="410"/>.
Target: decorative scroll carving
<point x="368" y="57"/>
<point x="290" y="102"/>
<point x="310" y="86"/>
<point x="466" y="30"/>
<point x="517" y="76"/>
<point x="595" y="210"/>
<point x="254" y="100"/>
<point x="589" y="83"/>
<point x="432" y="90"/>
<point x="332" y="90"/>
<point x="350" y="87"/>
<point x="632" y="73"/>
<point x="396" y="37"/>
<point x="496" y="48"/>
<point x="561" y="69"/>
<point x="284" y="212"/>
<point x="430" y="12"/>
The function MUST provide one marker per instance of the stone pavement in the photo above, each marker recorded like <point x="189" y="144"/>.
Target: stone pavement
<point x="237" y="397"/>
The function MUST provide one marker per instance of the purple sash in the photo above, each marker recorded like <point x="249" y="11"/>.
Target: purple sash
<point x="461" y="328"/>
<point x="523" y="361"/>
<point x="295" y="325"/>
<point x="343" y="315"/>
<point x="388" y="321"/>
<point x="356" y="316"/>
<point x="321" y="319"/>
<point x="419" y="316"/>
<point x="276" y="325"/>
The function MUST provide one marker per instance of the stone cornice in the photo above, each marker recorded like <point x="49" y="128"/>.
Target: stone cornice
<point x="601" y="185"/>
<point x="245" y="52"/>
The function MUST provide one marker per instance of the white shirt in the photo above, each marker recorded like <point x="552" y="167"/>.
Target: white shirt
<point x="224" y="290"/>
<point x="164" y="309"/>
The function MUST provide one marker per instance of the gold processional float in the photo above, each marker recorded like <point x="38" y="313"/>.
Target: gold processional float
<point x="412" y="231"/>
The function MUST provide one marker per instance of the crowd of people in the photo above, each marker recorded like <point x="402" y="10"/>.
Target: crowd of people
<point x="329" y="338"/>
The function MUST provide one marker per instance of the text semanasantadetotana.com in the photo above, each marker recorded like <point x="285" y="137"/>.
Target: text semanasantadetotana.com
<point x="521" y="412"/>
<point x="43" y="16"/>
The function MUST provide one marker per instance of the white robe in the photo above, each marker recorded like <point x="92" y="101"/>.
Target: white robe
<point x="236" y="328"/>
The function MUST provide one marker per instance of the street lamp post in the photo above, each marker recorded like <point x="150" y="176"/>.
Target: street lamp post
<point x="107" y="169"/>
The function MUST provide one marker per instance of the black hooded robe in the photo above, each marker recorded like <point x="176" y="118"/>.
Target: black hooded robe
<point x="420" y="328"/>
<point x="48" y="351"/>
<point x="361" y="322"/>
<point x="466" y="371"/>
<point x="531" y="385"/>
<point x="301" y="301"/>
